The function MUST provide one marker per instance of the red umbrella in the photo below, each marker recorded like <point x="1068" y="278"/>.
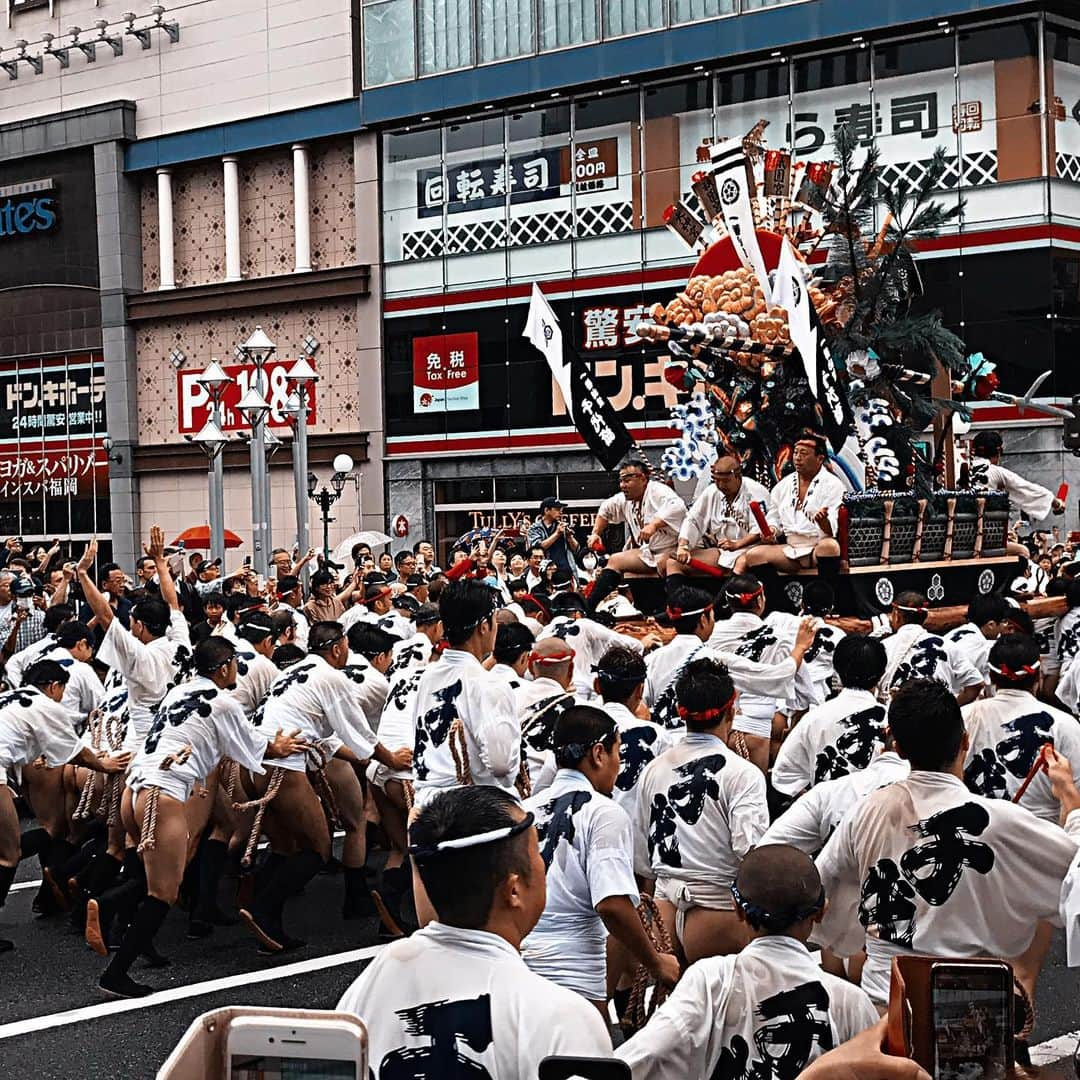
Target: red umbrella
<point x="198" y="536"/>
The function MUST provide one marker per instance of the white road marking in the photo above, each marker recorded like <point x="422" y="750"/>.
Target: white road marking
<point x="179" y="993"/>
<point x="1055" y="1049"/>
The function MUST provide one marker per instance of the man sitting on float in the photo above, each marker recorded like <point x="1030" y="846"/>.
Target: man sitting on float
<point x="803" y="517"/>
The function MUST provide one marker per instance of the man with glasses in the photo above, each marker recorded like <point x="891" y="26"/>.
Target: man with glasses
<point x="653" y="515"/>
<point x="720" y="524"/>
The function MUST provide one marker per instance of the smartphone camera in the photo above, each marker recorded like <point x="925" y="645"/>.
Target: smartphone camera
<point x="972" y="1008"/>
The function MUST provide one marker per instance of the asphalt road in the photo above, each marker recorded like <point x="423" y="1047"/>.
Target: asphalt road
<point x="52" y="974"/>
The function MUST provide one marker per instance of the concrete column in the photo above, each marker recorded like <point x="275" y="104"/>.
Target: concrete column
<point x="301" y="208"/>
<point x="231" y="172"/>
<point x="165" y="229"/>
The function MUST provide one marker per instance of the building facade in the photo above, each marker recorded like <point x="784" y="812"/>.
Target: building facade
<point x="552" y="158"/>
<point x="176" y="178"/>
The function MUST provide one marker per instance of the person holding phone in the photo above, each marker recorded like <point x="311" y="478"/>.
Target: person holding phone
<point x="194" y="728"/>
<point x="771" y="1006"/>
<point x="926" y="866"/>
<point x="456" y="997"/>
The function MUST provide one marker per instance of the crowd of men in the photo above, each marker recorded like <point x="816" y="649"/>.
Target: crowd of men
<point x="745" y="812"/>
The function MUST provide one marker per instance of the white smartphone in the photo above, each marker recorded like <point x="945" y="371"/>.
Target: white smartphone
<point x="275" y="1048"/>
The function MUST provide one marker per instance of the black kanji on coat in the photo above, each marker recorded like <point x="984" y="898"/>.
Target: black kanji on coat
<point x="887" y="901"/>
<point x="1027" y="736"/>
<point x="985" y="775"/>
<point x="433" y="726"/>
<point x="637" y="747"/>
<point x="447" y="1024"/>
<point x="754" y="644"/>
<point x="538" y="723"/>
<point x="555" y="822"/>
<point x="797" y="1024"/>
<point x="194" y="703"/>
<point x="296" y="676"/>
<point x="935" y="867"/>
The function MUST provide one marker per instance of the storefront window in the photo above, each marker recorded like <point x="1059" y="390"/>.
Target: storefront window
<point x="678" y="121"/>
<point x="389" y="41"/>
<point x="445" y="35"/>
<point x="412" y="180"/>
<point x="506" y="29"/>
<point x="567" y="22"/>
<point x="1063" y="49"/>
<point x="623" y="17"/>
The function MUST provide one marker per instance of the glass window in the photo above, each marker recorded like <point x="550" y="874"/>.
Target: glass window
<point x="999" y="70"/>
<point x="684" y="11"/>
<point x="745" y="97"/>
<point x="678" y="124"/>
<point x="525" y="491"/>
<point x="506" y="29"/>
<point x="756" y="5"/>
<point x="1063" y="47"/>
<point x="567" y="22"/>
<point x="389" y="41"/>
<point x="445" y="35"/>
<point x="831" y="90"/>
<point x="607" y="163"/>
<point x="631" y="16"/>
<point x="412" y="195"/>
<point x="478" y="490"/>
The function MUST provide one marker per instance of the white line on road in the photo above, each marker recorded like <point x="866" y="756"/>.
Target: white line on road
<point x="1055" y="1049"/>
<point x="179" y="993"/>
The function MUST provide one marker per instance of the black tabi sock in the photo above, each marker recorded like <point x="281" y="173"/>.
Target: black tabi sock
<point x="7" y="876"/>
<point x="139" y="937"/>
<point x="34" y="842"/>
<point x="606" y="582"/>
<point x="293" y="874"/>
<point x="212" y="858"/>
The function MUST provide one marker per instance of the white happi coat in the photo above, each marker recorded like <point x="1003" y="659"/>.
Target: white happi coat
<point x="84" y="691"/>
<point x="150" y="670"/>
<point x="459" y="688"/>
<point x="1033" y="499"/>
<point x="811" y="819"/>
<point x="205" y="719"/>
<point x="914" y="653"/>
<point x="391" y="622"/>
<point x="659" y="501"/>
<point x="1005" y="734"/>
<point x="1067" y="637"/>
<point x="795" y="520"/>
<point x="255" y="673"/>
<point x="666" y="664"/>
<point x="324" y="703"/>
<point x="396" y="724"/>
<point x="587" y="845"/>
<point x="373" y="687"/>
<point x="412" y="652"/>
<point x="815" y="682"/>
<point x="969" y="641"/>
<point x="767" y="1011"/>
<point x="924" y="866"/>
<point x="539" y="703"/>
<point x="32" y="725"/>
<point x="20" y="661"/>
<point x="700" y="809"/>
<point x="834" y="739"/>
<point x="640" y="742"/>
<point x="508" y="675"/>
<point x="713" y="517"/>
<point x="589" y="640"/>
<point x="474" y="983"/>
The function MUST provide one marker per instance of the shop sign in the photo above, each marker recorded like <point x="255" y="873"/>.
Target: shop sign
<point x="52" y="470"/>
<point x="27" y="208"/>
<point x="193" y="400"/>
<point x="506" y="518"/>
<point x="446" y="373"/>
<point x="60" y="400"/>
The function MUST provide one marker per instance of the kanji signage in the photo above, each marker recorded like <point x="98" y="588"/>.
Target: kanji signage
<point x="53" y="399"/>
<point x="53" y="470"/>
<point x="193" y="400"/>
<point x="446" y="373"/>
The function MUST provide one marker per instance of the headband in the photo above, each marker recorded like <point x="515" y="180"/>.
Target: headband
<point x="1012" y="675"/>
<point x="575" y="751"/>
<point x="427" y="851"/>
<point x="759" y="917"/>
<point x="559" y="658"/>
<point x="377" y="596"/>
<point x="922" y="609"/>
<point x="539" y="603"/>
<point x="704" y="714"/>
<point x="745" y="597"/>
<point x="676" y="613"/>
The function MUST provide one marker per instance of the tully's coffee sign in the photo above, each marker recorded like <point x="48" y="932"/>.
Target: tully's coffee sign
<point x="28" y="208"/>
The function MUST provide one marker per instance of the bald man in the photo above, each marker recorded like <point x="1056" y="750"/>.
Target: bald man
<point x="720" y="525"/>
<point x="540" y="701"/>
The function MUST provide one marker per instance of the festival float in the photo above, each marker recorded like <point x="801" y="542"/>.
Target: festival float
<point x="804" y="312"/>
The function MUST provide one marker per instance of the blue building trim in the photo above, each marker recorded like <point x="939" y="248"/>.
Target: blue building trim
<point x="702" y="43"/>
<point x="298" y="125"/>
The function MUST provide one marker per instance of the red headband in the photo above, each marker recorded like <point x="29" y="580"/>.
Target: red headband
<point x="745" y="597"/>
<point x="539" y="603"/>
<point x="706" y="714"/>
<point x="377" y="596"/>
<point x="556" y="658"/>
<point x="1015" y="676"/>
<point x="677" y="613"/>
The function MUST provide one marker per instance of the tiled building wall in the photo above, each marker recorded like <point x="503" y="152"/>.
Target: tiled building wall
<point x="266" y="214"/>
<point x="333" y="207"/>
<point x="202" y="338"/>
<point x="199" y="224"/>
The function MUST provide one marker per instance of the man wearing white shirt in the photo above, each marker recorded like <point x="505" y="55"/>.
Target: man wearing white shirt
<point x="986" y="472"/>
<point x="720" y="523"/>
<point x="464" y="972"/>
<point x="290" y="599"/>
<point x="805" y="505"/>
<point x="513" y="643"/>
<point x="415" y="651"/>
<point x="974" y="638"/>
<point x="652" y="513"/>
<point x="540" y="700"/>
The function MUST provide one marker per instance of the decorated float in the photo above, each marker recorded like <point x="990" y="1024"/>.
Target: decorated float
<point x="803" y="312"/>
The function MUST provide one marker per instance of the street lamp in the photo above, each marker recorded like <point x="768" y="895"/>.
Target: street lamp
<point x="325" y="497"/>
<point x="302" y="377"/>
<point x="215" y="382"/>
<point x="257" y="350"/>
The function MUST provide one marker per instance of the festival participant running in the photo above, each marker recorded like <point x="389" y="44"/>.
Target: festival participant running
<point x="701" y="808"/>
<point x="464" y="973"/>
<point x="513" y="644"/>
<point x="415" y="651"/>
<point x="804" y="516"/>
<point x="653" y="515"/>
<point x="974" y="638"/>
<point x="620" y="682"/>
<point x="771" y="1008"/>
<point x="463" y="713"/>
<point x="55" y="617"/>
<point x="845" y="734"/>
<point x="255" y="668"/>
<point x="587" y="844"/>
<point x="316" y="696"/>
<point x="155" y="654"/>
<point x="196" y="726"/>
<point x="720" y="524"/>
<point x="986" y="472"/>
<point x="914" y="653"/>
<point x="922" y="865"/>
<point x="1007" y="732"/>
<point x="34" y="725"/>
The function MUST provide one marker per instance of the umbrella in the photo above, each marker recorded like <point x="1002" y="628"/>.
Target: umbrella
<point x="466" y="540"/>
<point x="373" y="539"/>
<point x="198" y="536"/>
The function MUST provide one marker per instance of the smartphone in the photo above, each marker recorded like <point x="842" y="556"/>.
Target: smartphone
<point x="971" y="1009"/>
<point x="247" y="560"/>
<point x="587" y="1068"/>
<point x="181" y="544"/>
<point x="278" y="1048"/>
<point x="23" y="603"/>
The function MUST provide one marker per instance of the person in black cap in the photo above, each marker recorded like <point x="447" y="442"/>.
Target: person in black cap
<point x="551" y="533"/>
<point x="417" y="585"/>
